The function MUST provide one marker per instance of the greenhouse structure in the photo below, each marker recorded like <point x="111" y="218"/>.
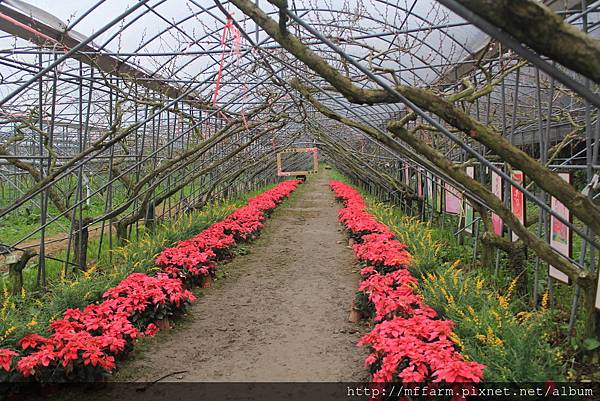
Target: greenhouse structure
<point x="387" y="199"/>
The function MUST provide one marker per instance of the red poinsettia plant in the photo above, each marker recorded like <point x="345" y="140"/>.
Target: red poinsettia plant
<point x="383" y="252"/>
<point x="391" y="294"/>
<point x="358" y="222"/>
<point x="417" y="349"/>
<point x="409" y="343"/>
<point x="192" y="259"/>
<point x="85" y="344"/>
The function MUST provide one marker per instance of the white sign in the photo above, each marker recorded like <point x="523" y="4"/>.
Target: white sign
<point x="598" y="296"/>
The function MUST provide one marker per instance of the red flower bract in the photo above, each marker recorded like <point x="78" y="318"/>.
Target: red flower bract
<point x="31" y="341"/>
<point x="6" y="356"/>
<point x="381" y="250"/>
<point x="409" y="341"/>
<point x="94" y="335"/>
<point x="151" y="330"/>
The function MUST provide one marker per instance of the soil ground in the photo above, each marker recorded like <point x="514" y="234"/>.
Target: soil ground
<point x="279" y="314"/>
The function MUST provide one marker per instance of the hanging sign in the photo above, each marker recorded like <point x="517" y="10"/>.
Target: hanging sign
<point x="406" y="174"/>
<point x="452" y="199"/>
<point x="420" y="184"/>
<point x="315" y="162"/>
<point x="517" y="200"/>
<point x="560" y="233"/>
<point x="468" y="208"/>
<point x="497" y="190"/>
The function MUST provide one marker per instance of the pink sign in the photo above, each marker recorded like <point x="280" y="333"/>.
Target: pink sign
<point x="560" y="233"/>
<point x="453" y="199"/>
<point x="497" y="190"/>
<point x="517" y="200"/>
<point x="406" y="174"/>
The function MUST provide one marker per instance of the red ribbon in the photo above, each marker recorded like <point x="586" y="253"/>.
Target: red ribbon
<point x="230" y="32"/>
<point x="224" y="36"/>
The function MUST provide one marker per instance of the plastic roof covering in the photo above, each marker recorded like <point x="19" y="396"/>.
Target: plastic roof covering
<point x="179" y="41"/>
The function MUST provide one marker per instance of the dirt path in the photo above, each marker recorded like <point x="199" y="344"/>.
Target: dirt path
<point x="280" y="315"/>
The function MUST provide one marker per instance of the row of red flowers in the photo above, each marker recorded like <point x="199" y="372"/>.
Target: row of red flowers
<point x="193" y="259"/>
<point x="409" y="342"/>
<point x="83" y="344"/>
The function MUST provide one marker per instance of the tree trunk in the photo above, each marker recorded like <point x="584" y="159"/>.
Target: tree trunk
<point x="150" y="218"/>
<point x="536" y="25"/>
<point x="15" y="271"/>
<point x="15" y="278"/>
<point x="80" y="243"/>
<point x="592" y="320"/>
<point x="122" y="228"/>
<point x="516" y="254"/>
<point x="542" y="249"/>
